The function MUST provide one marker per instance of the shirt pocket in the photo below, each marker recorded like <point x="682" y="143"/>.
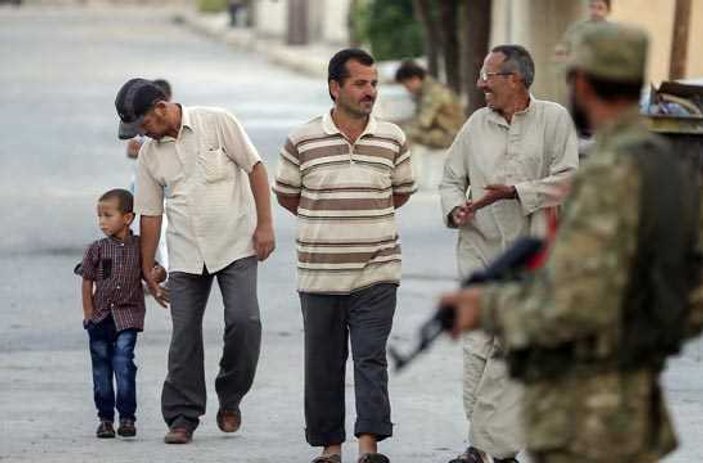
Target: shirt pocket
<point x="215" y="165"/>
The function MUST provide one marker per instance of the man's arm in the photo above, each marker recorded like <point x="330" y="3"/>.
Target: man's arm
<point x="562" y="149"/>
<point x="289" y="202"/>
<point x="455" y="181"/>
<point x="264" y="241"/>
<point x="575" y="294"/>
<point x="150" y="230"/>
<point x="400" y="199"/>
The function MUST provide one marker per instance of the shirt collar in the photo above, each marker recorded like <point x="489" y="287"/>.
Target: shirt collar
<point x="500" y="120"/>
<point x="331" y="128"/>
<point x="186" y="121"/>
<point x="129" y="239"/>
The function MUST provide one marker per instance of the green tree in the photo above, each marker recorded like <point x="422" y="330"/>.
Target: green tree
<point x="393" y="31"/>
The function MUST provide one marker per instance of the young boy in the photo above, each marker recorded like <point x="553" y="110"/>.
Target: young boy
<point x="113" y="311"/>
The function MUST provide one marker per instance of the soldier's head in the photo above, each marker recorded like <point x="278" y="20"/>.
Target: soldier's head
<point x="411" y="76"/>
<point x="507" y="74"/>
<point x="598" y="10"/>
<point x="605" y="71"/>
<point x="351" y="80"/>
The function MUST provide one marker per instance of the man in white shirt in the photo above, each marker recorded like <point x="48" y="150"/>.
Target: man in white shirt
<point x="217" y="201"/>
<point x="511" y="160"/>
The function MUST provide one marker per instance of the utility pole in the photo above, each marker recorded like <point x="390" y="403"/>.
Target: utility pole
<point x="679" y="42"/>
<point x="297" y="33"/>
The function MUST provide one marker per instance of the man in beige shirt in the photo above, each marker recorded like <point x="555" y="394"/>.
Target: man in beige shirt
<point x="217" y="201"/>
<point x="511" y="160"/>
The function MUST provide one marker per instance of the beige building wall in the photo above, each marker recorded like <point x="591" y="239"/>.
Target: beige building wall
<point x="271" y="17"/>
<point x="657" y="17"/>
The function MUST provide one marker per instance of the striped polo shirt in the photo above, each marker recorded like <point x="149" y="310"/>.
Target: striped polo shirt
<point x="347" y="237"/>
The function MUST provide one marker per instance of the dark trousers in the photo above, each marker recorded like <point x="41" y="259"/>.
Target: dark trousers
<point x="365" y="317"/>
<point x="183" y="397"/>
<point x="112" y="356"/>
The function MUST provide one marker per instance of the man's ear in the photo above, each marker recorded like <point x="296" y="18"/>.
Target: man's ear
<point x="334" y="88"/>
<point x="160" y="108"/>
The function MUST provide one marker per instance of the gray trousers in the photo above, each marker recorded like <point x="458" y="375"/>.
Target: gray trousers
<point x="183" y="397"/>
<point x="365" y="317"/>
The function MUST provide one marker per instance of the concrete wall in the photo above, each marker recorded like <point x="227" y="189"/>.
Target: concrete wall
<point x="272" y="17"/>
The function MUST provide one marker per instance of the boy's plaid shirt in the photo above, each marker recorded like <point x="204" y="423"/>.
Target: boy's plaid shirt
<point x="115" y="268"/>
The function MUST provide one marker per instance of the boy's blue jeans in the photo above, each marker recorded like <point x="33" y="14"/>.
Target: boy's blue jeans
<point x="112" y="354"/>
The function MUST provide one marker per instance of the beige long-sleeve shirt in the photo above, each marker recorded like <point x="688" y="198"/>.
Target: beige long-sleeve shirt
<point x="203" y="176"/>
<point x="536" y="152"/>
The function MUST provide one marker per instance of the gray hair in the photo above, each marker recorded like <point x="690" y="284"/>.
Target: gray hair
<point x="517" y="60"/>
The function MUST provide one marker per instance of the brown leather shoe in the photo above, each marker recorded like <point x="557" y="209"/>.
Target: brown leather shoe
<point x="229" y="420"/>
<point x="178" y="436"/>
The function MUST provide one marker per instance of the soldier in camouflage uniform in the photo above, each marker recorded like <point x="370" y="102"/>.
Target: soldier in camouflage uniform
<point x="622" y="272"/>
<point x="439" y="114"/>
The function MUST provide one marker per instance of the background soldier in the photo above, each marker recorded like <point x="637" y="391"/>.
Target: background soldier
<point x="589" y="333"/>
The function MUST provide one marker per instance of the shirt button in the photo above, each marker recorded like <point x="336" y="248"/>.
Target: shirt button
<point x="118" y="286"/>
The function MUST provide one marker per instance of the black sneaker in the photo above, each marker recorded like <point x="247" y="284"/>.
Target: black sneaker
<point x="127" y="428"/>
<point x="105" y="430"/>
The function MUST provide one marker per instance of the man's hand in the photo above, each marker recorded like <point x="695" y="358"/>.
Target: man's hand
<point x="264" y="241"/>
<point x="159" y="293"/>
<point x="158" y="273"/>
<point x="494" y="192"/>
<point x="461" y="215"/>
<point x="466" y="303"/>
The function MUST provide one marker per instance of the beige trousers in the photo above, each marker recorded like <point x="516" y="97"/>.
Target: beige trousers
<point x="491" y="399"/>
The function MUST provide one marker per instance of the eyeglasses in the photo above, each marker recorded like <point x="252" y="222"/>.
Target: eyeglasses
<point x="485" y="75"/>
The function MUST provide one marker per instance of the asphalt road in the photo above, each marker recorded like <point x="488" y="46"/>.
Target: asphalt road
<point x="60" y="71"/>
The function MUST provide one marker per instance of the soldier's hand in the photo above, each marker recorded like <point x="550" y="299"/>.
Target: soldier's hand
<point x="466" y="303"/>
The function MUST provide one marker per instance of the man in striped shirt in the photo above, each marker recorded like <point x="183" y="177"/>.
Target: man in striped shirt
<point x="342" y="175"/>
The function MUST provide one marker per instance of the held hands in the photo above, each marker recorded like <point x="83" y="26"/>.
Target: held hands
<point x="466" y="303"/>
<point x="264" y="241"/>
<point x="153" y="277"/>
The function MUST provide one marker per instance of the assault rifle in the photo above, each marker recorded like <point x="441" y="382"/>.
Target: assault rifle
<point x="525" y="253"/>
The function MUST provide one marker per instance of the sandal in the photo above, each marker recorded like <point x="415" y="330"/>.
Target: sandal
<point x="373" y="458"/>
<point x="330" y="458"/>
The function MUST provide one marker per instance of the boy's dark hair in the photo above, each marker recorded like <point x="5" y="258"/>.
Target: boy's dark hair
<point x="517" y="60"/>
<point x="610" y="90"/>
<point x="337" y="68"/>
<point x="165" y="86"/>
<point x="125" y="200"/>
<point x="409" y="69"/>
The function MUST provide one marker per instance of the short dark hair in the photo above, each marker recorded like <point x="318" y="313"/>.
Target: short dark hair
<point x="612" y="90"/>
<point x="518" y="60"/>
<point x="337" y="68"/>
<point x="125" y="200"/>
<point x="165" y="86"/>
<point x="409" y="69"/>
<point x="607" y="3"/>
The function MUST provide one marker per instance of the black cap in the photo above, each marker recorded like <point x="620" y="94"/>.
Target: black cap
<point x="133" y="101"/>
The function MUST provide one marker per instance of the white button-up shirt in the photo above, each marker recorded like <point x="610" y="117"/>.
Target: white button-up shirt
<point x="535" y="152"/>
<point x="202" y="175"/>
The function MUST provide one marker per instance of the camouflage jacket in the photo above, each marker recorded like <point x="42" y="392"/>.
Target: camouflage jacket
<point x="438" y="117"/>
<point x="593" y="410"/>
